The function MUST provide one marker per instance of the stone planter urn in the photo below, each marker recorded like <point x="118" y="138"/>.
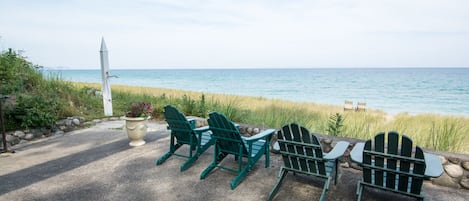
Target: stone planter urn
<point x="136" y="128"/>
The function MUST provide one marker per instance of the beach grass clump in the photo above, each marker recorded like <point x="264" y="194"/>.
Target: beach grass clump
<point x="275" y="116"/>
<point x="363" y="125"/>
<point x="440" y="132"/>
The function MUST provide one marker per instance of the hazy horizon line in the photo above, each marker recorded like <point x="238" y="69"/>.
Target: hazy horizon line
<point x="255" y="68"/>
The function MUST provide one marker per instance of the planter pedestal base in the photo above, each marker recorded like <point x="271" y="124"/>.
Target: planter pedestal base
<point x="137" y="143"/>
<point x="136" y="130"/>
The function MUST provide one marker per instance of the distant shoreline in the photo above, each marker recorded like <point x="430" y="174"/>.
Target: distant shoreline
<point x="247" y="68"/>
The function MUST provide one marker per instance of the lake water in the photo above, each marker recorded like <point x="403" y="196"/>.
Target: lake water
<point x="393" y="90"/>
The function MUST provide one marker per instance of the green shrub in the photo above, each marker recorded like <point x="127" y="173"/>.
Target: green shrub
<point x="202" y="107"/>
<point x="36" y="111"/>
<point x="335" y="124"/>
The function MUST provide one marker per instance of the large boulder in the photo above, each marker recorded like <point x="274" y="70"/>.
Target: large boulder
<point x="454" y="171"/>
<point x="465" y="165"/>
<point x="465" y="183"/>
<point x="445" y="180"/>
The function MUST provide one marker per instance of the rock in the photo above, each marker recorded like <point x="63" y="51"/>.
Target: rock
<point x="113" y="118"/>
<point x="454" y="160"/>
<point x="275" y="148"/>
<point x="19" y="134"/>
<point x="249" y="130"/>
<point x="465" y="165"/>
<point x="347" y="153"/>
<point x="326" y="148"/>
<point x="46" y="132"/>
<point x="59" y="132"/>
<point x="454" y="171"/>
<point x="333" y="144"/>
<point x="256" y="130"/>
<point x="29" y="136"/>
<point x="465" y="183"/>
<point x="36" y="132"/>
<point x="198" y="123"/>
<point x="355" y="166"/>
<point x="242" y="130"/>
<point x="443" y="160"/>
<point x="327" y="141"/>
<point x="68" y="122"/>
<point x="445" y="180"/>
<point x="76" y="122"/>
<point x="12" y="138"/>
<point x="96" y="121"/>
<point x="60" y="122"/>
<point x="344" y="165"/>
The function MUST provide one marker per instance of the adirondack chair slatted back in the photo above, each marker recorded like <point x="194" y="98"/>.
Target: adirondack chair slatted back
<point x="224" y="129"/>
<point x="179" y="125"/>
<point x="301" y="151"/>
<point x="382" y="168"/>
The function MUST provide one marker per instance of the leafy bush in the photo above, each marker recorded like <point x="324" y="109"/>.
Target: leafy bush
<point x="16" y="73"/>
<point x="36" y="111"/>
<point x="335" y="123"/>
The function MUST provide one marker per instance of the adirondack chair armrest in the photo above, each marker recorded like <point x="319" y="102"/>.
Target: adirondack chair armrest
<point x="192" y="122"/>
<point x="202" y="129"/>
<point x="337" y="151"/>
<point x="260" y="135"/>
<point x="433" y="165"/>
<point x="357" y="152"/>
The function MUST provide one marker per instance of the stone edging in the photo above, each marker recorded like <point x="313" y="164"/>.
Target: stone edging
<point x="60" y="128"/>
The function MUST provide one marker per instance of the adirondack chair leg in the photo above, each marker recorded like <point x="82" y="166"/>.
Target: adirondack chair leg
<point x="202" y="149"/>
<point x="325" y="188"/>
<point x="188" y="163"/>
<point x="172" y="149"/>
<point x="281" y="176"/>
<point x="162" y="159"/>
<point x="217" y="159"/>
<point x="235" y="182"/>
<point x="207" y="170"/>
<point x="336" y="171"/>
<point x="267" y="157"/>
<point x="359" y="191"/>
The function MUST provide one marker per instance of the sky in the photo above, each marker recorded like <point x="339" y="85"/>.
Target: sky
<point x="238" y="33"/>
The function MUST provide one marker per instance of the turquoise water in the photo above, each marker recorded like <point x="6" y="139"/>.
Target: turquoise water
<point x="393" y="90"/>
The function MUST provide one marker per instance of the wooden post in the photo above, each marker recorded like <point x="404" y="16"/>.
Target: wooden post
<point x="106" y="86"/>
<point x="2" y="122"/>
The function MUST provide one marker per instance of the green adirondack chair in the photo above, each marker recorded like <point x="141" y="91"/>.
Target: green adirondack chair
<point x="228" y="140"/>
<point x="302" y="153"/>
<point x="393" y="169"/>
<point x="183" y="132"/>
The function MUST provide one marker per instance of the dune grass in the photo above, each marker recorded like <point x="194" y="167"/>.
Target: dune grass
<point x="439" y="132"/>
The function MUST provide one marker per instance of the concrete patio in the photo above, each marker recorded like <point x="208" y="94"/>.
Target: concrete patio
<point x="98" y="164"/>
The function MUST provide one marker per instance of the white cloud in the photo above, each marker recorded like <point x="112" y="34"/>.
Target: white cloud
<point x="169" y="33"/>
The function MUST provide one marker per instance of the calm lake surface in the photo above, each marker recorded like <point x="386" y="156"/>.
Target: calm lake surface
<point x="393" y="90"/>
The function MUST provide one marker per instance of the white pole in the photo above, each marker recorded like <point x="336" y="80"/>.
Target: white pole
<point x="106" y="88"/>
